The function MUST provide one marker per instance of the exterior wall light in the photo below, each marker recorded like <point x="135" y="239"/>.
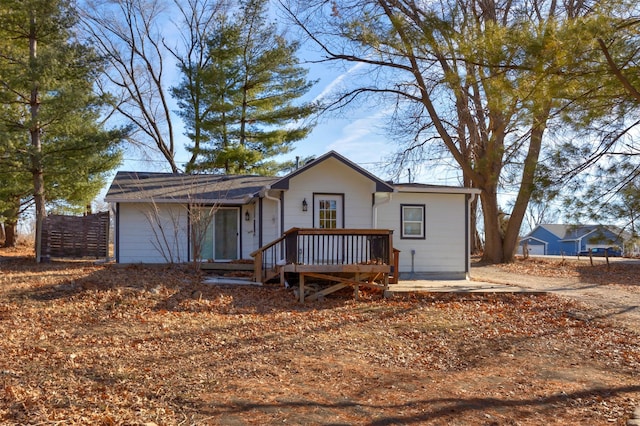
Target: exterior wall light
<point x="305" y="206"/>
<point x="247" y="216"/>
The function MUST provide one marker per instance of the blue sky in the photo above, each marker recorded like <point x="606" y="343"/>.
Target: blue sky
<point x="358" y="134"/>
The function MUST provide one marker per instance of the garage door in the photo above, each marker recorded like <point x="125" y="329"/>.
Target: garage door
<point x="536" y="249"/>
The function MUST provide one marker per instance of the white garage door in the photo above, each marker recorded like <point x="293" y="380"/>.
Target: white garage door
<point x="536" y="249"/>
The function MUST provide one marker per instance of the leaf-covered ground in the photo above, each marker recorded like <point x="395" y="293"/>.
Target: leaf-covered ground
<point x="88" y="344"/>
<point x="617" y="272"/>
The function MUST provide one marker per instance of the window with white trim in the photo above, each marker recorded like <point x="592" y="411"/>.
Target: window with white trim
<point x="412" y="221"/>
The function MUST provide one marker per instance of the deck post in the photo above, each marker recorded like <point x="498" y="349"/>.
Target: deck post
<point x="282" y="278"/>
<point x="257" y="267"/>
<point x="396" y="264"/>
<point x="301" y="288"/>
<point x="386" y="285"/>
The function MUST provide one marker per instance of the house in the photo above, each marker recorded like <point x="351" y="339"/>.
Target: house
<point x="156" y="213"/>
<point x="570" y="240"/>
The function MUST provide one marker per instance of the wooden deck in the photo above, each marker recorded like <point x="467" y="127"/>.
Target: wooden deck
<point x="344" y="257"/>
<point x="226" y="266"/>
<point x="350" y="275"/>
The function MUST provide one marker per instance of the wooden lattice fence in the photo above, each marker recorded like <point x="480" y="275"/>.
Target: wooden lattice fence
<point x="76" y="236"/>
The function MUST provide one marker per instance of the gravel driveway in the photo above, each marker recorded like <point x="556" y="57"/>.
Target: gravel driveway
<point x="620" y="304"/>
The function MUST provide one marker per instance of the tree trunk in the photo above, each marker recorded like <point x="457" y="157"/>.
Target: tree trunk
<point x="36" y="145"/>
<point x="527" y="185"/>
<point x="493" y="245"/>
<point x="10" y="237"/>
<point x="476" y="241"/>
<point x="11" y="215"/>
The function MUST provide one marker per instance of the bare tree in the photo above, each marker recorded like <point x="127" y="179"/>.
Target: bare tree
<point x="201" y="219"/>
<point x="192" y="217"/>
<point x="167" y="226"/>
<point x="130" y="35"/>
<point x="197" y="21"/>
<point x="483" y="79"/>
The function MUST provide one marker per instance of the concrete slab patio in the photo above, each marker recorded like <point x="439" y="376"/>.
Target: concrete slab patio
<point x="455" y="286"/>
<point x="418" y="285"/>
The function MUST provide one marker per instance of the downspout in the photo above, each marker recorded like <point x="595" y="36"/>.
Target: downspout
<point x="116" y="233"/>
<point x="189" y="235"/>
<point x="260" y="221"/>
<point x="374" y="213"/>
<point x="278" y="207"/>
<point x="470" y="198"/>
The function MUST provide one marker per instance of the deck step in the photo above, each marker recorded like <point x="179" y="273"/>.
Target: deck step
<point x="226" y="266"/>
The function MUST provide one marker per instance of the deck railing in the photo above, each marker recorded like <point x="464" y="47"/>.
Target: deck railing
<point x="311" y="246"/>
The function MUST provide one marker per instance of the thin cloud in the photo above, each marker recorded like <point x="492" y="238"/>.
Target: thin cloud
<point x="363" y="137"/>
<point x="336" y="82"/>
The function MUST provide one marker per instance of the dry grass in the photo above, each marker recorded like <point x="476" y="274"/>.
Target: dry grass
<point x="615" y="273"/>
<point x="87" y="344"/>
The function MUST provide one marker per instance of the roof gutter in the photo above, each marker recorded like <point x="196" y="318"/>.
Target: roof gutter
<point x="443" y="190"/>
<point x="233" y="201"/>
<point x="470" y="199"/>
<point x="377" y="204"/>
<point x="265" y="192"/>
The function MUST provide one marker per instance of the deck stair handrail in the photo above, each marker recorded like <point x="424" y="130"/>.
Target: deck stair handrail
<point x="267" y="258"/>
<point x="314" y="246"/>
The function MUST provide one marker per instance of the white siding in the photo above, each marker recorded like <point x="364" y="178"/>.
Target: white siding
<point x="443" y="250"/>
<point x="270" y="219"/>
<point x="249" y="230"/>
<point x="269" y="223"/>
<point x="147" y="237"/>
<point x="329" y="177"/>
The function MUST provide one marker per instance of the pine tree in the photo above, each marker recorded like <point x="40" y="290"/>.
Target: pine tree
<point x="49" y="119"/>
<point x="246" y="115"/>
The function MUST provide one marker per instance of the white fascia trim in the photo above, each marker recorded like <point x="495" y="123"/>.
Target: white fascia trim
<point x="236" y="201"/>
<point x="534" y="238"/>
<point x="471" y="191"/>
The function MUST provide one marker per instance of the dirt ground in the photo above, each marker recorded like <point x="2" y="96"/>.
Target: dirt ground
<point x="101" y="344"/>
<point x="611" y="291"/>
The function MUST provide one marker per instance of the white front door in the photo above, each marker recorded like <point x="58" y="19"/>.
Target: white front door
<point x="328" y="211"/>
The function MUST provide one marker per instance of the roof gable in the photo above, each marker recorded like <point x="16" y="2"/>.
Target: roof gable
<point x="381" y="186"/>
<point x="573" y="232"/>
<point x="239" y="189"/>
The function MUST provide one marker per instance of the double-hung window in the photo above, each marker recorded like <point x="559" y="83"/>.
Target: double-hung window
<point x="412" y="218"/>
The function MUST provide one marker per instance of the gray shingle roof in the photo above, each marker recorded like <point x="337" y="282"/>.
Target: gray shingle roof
<point x="573" y="231"/>
<point x="173" y="187"/>
<point x="232" y="189"/>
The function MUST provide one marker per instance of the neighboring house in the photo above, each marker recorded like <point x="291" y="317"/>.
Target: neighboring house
<point x="155" y="212"/>
<point x="570" y="240"/>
